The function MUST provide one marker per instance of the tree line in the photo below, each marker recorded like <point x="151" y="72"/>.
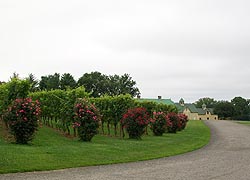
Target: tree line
<point x="95" y="83"/>
<point x="237" y="109"/>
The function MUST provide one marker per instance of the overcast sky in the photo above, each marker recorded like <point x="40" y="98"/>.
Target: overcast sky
<point x="173" y="48"/>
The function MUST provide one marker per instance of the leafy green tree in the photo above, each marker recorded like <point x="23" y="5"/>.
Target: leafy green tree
<point x="50" y="82"/>
<point x="33" y="82"/>
<point x="241" y="107"/>
<point x="67" y="81"/>
<point x="94" y="83"/>
<point x="53" y="81"/>
<point x="209" y="102"/>
<point x="224" y="109"/>
<point x="124" y="84"/>
<point x="99" y="84"/>
<point x="43" y="83"/>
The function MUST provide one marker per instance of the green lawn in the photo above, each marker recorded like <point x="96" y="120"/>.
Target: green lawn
<point x="244" y="122"/>
<point x="51" y="150"/>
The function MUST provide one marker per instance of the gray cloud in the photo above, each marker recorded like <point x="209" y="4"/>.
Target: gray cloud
<point x="175" y="48"/>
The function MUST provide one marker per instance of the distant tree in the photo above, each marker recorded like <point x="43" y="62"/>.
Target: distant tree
<point x="113" y="85"/>
<point x="15" y="76"/>
<point x="43" y="83"/>
<point x="67" y="81"/>
<point x="94" y="83"/>
<point x="99" y="84"/>
<point x="209" y="102"/>
<point x="53" y="81"/>
<point x="122" y="85"/>
<point x="33" y="82"/>
<point x="241" y="107"/>
<point x="50" y="82"/>
<point x="224" y="109"/>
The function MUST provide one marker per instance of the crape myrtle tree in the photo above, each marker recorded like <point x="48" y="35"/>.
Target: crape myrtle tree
<point x="15" y="88"/>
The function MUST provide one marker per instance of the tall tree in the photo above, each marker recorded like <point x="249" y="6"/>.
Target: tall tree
<point x="50" y="82"/>
<point x="94" y="83"/>
<point x="43" y="83"/>
<point x="99" y="84"/>
<point x="209" y="102"/>
<point x="67" y="81"/>
<point x="241" y="107"/>
<point x="224" y="109"/>
<point x="33" y="82"/>
<point x="122" y="85"/>
<point x="53" y="81"/>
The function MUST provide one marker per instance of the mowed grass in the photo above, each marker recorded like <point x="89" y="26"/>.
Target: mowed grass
<point x="50" y="150"/>
<point x="244" y="122"/>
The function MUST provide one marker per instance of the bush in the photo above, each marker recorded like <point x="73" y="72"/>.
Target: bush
<point x="158" y="123"/>
<point x="22" y="119"/>
<point x="135" y="121"/>
<point x="183" y="119"/>
<point x="87" y="119"/>
<point x="172" y="122"/>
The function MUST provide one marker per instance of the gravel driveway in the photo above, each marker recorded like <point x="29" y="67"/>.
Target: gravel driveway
<point x="227" y="157"/>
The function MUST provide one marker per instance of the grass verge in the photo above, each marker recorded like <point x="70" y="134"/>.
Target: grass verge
<point x="244" y="122"/>
<point x="50" y="150"/>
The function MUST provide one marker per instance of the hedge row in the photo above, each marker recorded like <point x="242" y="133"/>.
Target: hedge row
<point x="57" y="108"/>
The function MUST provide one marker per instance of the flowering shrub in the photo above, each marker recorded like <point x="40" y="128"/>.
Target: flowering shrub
<point x="134" y="121"/>
<point x="22" y="119"/>
<point x="86" y="120"/>
<point x="172" y="122"/>
<point x="183" y="119"/>
<point x="158" y="123"/>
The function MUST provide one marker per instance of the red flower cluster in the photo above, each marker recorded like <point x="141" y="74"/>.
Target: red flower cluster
<point x="22" y="118"/>
<point x="171" y="123"/>
<point x="183" y="119"/>
<point x="24" y="110"/>
<point x="86" y="120"/>
<point x="158" y="123"/>
<point x="76" y="124"/>
<point x="176" y="122"/>
<point x="135" y="121"/>
<point x="83" y="111"/>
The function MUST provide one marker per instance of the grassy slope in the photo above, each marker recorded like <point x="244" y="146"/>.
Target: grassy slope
<point x="50" y="150"/>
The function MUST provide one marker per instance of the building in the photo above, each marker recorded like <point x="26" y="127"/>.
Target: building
<point x="194" y="113"/>
<point x="158" y="100"/>
<point x="188" y="109"/>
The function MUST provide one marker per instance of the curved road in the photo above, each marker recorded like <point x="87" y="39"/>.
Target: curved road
<point x="227" y="157"/>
